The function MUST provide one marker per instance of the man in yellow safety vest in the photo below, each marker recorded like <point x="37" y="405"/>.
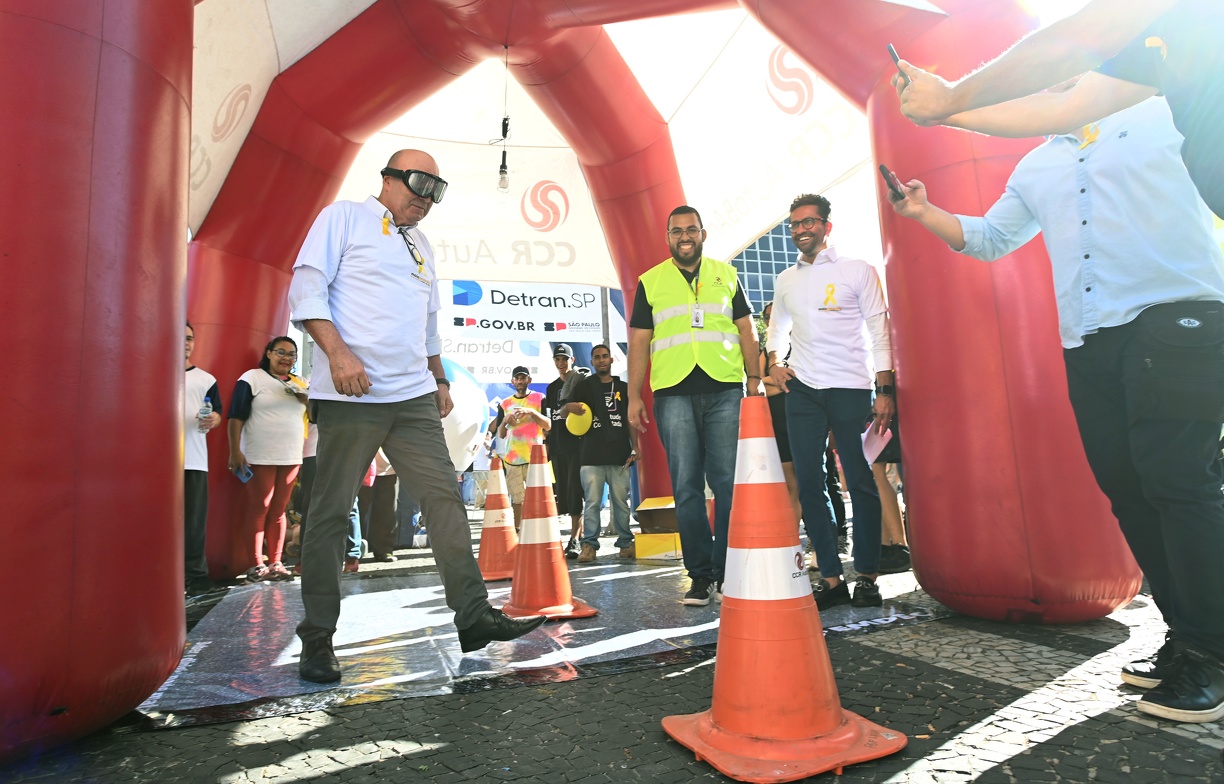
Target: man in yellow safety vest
<point x="690" y="319"/>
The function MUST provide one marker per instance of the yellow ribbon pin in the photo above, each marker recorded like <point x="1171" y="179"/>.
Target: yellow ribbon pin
<point x="1092" y="132"/>
<point x="1155" y="42"/>
<point x="829" y="298"/>
<point x="386" y="225"/>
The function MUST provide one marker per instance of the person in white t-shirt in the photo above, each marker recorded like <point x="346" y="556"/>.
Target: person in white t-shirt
<point x="199" y="386"/>
<point x="365" y="288"/>
<point x="267" y="430"/>
<point x="820" y="308"/>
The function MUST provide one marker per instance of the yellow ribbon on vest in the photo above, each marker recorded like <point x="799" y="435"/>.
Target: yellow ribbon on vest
<point x="829" y="292"/>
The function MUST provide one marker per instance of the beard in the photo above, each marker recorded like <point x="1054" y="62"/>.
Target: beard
<point x="690" y="258"/>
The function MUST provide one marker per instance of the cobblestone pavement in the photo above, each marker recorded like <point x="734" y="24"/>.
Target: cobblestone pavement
<point x="980" y="701"/>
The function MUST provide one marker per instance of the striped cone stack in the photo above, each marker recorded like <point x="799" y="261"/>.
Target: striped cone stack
<point x="498" y="539"/>
<point x="541" y="579"/>
<point x="776" y="715"/>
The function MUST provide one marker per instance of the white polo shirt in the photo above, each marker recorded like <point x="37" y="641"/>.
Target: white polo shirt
<point x="198" y="385"/>
<point x="356" y="271"/>
<point x="819" y="315"/>
<point x="275" y="431"/>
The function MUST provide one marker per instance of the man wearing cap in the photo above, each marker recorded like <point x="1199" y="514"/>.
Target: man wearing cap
<point x="821" y="306"/>
<point x="364" y="287"/>
<point x="521" y="421"/>
<point x="563" y="448"/>
<point x="690" y="320"/>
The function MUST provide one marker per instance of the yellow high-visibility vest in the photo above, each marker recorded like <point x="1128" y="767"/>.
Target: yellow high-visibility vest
<point x="677" y="346"/>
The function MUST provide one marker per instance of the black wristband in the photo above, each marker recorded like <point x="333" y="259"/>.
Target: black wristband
<point x="442" y="380"/>
<point x="886" y="389"/>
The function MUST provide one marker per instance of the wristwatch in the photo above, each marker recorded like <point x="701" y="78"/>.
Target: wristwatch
<point x="442" y="380"/>
<point x="886" y="389"/>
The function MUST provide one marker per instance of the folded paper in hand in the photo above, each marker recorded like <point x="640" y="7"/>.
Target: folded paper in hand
<point x="874" y="443"/>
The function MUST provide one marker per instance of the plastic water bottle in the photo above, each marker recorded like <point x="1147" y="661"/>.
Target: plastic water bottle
<point x="205" y="412"/>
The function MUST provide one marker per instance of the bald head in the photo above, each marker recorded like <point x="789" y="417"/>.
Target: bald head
<point x="413" y="159"/>
<point x="407" y="208"/>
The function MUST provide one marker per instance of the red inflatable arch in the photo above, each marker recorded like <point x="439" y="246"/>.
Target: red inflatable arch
<point x="1006" y="522"/>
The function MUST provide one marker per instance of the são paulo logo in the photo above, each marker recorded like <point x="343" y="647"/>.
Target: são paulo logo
<point x="230" y="112"/>
<point x="466" y="292"/>
<point x="789" y="86"/>
<point x="545" y="206"/>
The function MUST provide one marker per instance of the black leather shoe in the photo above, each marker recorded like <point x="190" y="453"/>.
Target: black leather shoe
<point x="496" y="625"/>
<point x="1149" y="672"/>
<point x="318" y="661"/>
<point x="1192" y="690"/>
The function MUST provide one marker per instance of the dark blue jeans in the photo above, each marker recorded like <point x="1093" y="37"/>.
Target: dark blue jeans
<point x="810" y="415"/>
<point x="1162" y="478"/>
<point x="700" y="434"/>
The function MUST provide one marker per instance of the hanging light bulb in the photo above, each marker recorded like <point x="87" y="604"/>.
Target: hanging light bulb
<point x="503" y="175"/>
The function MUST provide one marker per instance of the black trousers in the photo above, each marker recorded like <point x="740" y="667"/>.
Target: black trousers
<point x="1162" y="477"/>
<point x="195" y="519"/>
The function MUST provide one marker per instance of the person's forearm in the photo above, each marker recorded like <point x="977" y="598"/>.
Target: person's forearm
<point x="435" y="366"/>
<point x="639" y="356"/>
<point x="326" y="336"/>
<point x="1053" y="54"/>
<point x="942" y="224"/>
<point x="748" y="339"/>
<point x="235" y="435"/>
<point x="884" y="378"/>
<point x="1044" y="114"/>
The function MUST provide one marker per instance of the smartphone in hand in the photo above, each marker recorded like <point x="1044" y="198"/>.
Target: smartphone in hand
<point x="897" y="62"/>
<point x="894" y="184"/>
<point x="244" y="473"/>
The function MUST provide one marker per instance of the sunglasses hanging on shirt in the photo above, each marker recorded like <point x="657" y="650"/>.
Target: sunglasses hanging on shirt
<point x="423" y="184"/>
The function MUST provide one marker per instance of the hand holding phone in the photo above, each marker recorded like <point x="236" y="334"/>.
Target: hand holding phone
<point x="894" y="184"/>
<point x="244" y="473"/>
<point x="897" y="62"/>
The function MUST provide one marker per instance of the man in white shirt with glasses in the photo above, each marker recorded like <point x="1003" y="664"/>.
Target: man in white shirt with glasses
<point x="820" y="307"/>
<point x="365" y="288"/>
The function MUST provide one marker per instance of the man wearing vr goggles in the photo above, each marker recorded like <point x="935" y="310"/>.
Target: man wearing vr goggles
<point x="365" y="288"/>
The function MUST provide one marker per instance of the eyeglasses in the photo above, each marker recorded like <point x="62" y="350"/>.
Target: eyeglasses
<point x="422" y="183"/>
<point x="687" y="231"/>
<point x="806" y="223"/>
<point x="280" y="352"/>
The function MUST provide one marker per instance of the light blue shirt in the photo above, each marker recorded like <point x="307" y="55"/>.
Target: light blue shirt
<point x="1123" y="224"/>
<point x="356" y="271"/>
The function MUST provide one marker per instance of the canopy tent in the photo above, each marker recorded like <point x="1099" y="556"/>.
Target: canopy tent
<point x="751" y="124"/>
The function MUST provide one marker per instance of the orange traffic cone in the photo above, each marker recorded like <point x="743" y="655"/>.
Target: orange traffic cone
<point x="776" y="715"/>
<point x="497" y="536"/>
<point x="541" y="581"/>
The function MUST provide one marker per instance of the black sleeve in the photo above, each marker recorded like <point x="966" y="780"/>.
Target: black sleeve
<point x="214" y="398"/>
<point x="1136" y="63"/>
<point x="497" y="420"/>
<point x="739" y="304"/>
<point x="240" y="406"/>
<point x="582" y="392"/>
<point x="643" y="317"/>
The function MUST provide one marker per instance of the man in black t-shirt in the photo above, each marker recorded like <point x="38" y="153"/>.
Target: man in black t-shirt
<point x="563" y="450"/>
<point x="607" y="450"/>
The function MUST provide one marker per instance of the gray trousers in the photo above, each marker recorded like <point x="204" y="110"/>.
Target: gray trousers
<point x="410" y="434"/>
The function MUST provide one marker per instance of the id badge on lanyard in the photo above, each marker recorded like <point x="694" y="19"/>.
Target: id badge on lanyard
<point x="698" y="320"/>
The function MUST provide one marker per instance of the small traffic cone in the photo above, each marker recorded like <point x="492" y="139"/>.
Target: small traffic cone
<point x="776" y="715"/>
<point x="541" y="581"/>
<point x="498" y="538"/>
